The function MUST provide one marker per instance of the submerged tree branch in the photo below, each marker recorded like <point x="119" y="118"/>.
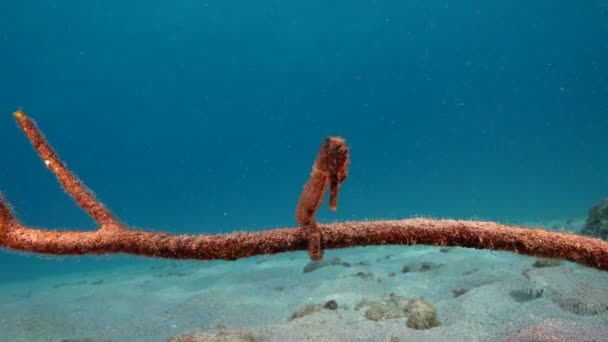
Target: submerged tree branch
<point x="329" y="170"/>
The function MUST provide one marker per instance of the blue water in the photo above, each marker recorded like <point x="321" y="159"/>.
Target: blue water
<point x="206" y="116"/>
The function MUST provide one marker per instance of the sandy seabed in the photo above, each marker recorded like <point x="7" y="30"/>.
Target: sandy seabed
<point x="478" y="296"/>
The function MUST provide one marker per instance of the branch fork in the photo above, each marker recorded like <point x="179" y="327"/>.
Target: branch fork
<point x="329" y="171"/>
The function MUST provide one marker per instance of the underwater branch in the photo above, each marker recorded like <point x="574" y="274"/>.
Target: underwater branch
<point x="329" y="170"/>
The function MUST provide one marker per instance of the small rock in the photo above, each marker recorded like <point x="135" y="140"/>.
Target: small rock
<point x="597" y="221"/>
<point x="421" y="314"/>
<point x="221" y="336"/>
<point x="315" y="265"/>
<point x="547" y="263"/>
<point x="365" y="275"/>
<point x="386" y="309"/>
<point x="331" y="305"/>
<point x="305" y="311"/>
<point x="420" y="267"/>
<point x="459" y="292"/>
